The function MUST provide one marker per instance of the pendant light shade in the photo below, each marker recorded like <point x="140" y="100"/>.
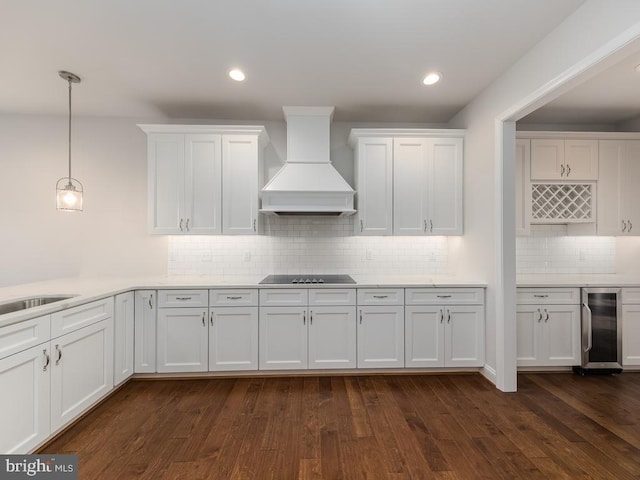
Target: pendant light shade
<point x="68" y="189"/>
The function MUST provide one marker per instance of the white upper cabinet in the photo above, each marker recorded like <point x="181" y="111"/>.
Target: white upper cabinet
<point x="408" y="182"/>
<point x="618" y="192"/>
<point x="374" y="186"/>
<point x="188" y="166"/>
<point x="564" y="159"/>
<point x="523" y="186"/>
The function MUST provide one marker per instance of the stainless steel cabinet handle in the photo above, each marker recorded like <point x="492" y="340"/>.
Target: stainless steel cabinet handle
<point x="441" y="316"/>
<point x="588" y="327"/>
<point x="360" y="317"/>
<point x="431" y="225"/>
<point x="630" y="225"/>
<point x="624" y="226"/>
<point x="311" y="317"/>
<point x="47" y="359"/>
<point x="234" y="297"/>
<point x="425" y="226"/>
<point x="568" y="169"/>
<point x="304" y="317"/>
<point x="183" y="298"/>
<point x="381" y="296"/>
<point x="361" y="226"/>
<point x="187" y="225"/>
<point x="151" y="301"/>
<point x="254" y="224"/>
<point x="540" y="296"/>
<point x="562" y="170"/>
<point x="181" y="229"/>
<point x="443" y="296"/>
<point x="59" y="350"/>
<point x="539" y="316"/>
<point x="546" y="316"/>
<point x="448" y="316"/>
<point x="211" y="318"/>
<point x="204" y="323"/>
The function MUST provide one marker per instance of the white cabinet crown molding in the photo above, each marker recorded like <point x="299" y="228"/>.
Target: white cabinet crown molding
<point x="258" y="130"/>
<point x="404" y="132"/>
<point x="522" y="134"/>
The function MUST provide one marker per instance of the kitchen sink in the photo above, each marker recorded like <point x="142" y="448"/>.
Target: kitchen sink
<point x="31" y="302"/>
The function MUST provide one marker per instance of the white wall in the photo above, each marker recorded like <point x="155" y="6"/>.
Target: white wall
<point x="109" y="237"/>
<point x="580" y="36"/>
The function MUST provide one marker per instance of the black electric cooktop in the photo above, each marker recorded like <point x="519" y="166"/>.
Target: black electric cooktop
<point x="306" y="279"/>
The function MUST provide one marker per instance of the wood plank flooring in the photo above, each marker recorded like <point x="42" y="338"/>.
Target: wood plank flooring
<point x="363" y="427"/>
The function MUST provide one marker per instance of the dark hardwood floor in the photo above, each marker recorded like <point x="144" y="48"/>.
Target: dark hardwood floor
<point x="374" y="427"/>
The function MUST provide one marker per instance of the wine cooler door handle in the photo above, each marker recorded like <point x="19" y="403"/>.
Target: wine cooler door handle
<point x="587" y="326"/>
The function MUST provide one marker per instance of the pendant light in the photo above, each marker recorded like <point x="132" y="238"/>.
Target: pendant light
<point x="68" y="189"/>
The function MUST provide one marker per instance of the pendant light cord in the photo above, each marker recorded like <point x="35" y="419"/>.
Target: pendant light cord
<point x="69" y="130"/>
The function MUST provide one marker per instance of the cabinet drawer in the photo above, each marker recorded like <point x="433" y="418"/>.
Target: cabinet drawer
<point x="444" y="296"/>
<point x="245" y="297"/>
<point x="74" y="318"/>
<point x="183" y="298"/>
<point x="631" y="295"/>
<point x="20" y="336"/>
<point x="381" y="296"/>
<point x="548" y="296"/>
<point x="283" y="297"/>
<point x="332" y="296"/>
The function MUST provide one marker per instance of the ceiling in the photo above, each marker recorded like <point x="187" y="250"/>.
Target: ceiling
<point x="170" y="58"/>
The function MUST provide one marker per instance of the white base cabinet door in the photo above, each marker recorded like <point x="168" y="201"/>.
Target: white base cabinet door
<point x="24" y="402"/>
<point x="81" y="371"/>
<point x="145" y="331"/>
<point x="183" y="340"/>
<point x="424" y="336"/>
<point x="283" y="338"/>
<point x="332" y="337"/>
<point x="123" y="326"/>
<point x="630" y="335"/>
<point x="548" y="335"/>
<point x="380" y="337"/>
<point x="464" y="336"/>
<point x="233" y="338"/>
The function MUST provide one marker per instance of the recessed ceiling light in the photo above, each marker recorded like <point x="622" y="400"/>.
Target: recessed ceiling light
<point x="237" y="75"/>
<point x="432" y="78"/>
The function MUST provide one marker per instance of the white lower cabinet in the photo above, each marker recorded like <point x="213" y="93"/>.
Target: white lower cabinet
<point x="81" y="370"/>
<point x="183" y="339"/>
<point x="630" y="327"/>
<point x="332" y="337"/>
<point x="380" y="336"/>
<point x="445" y="335"/>
<point x="145" y="331"/>
<point x="233" y="338"/>
<point x="548" y="335"/>
<point x="283" y="338"/>
<point x="123" y="328"/>
<point x="25" y="399"/>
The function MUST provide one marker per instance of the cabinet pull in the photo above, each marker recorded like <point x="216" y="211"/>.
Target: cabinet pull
<point x="187" y="225"/>
<point x="59" y="350"/>
<point x="360" y="317"/>
<point x="448" y="316"/>
<point x="181" y="229"/>
<point x="47" y="360"/>
<point x="562" y="170"/>
<point x="151" y="301"/>
<point x="539" y="316"/>
<point x="381" y="296"/>
<point x="211" y="318"/>
<point x="254" y="224"/>
<point x="311" y="317"/>
<point x="431" y="226"/>
<point x="183" y="298"/>
<point x="237" y="297"/>
<point x="537" y="295"/>
<point x="546" y="316"/>
<point x="304" y="317"/>
<point x="624" y="226"/>
<point x="568" y="169"/>
<point x="204" y="323"/>
<point x="630" y="225"/>
<point x="425" y="226"/>
<point x="441" y="316"/>
<point x="443" y="296"/>
<point x="361" y="226"/>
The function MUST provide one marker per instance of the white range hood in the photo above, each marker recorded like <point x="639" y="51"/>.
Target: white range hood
<point x="308" y="184"/>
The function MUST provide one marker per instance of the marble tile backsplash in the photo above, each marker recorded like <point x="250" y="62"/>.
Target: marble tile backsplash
<point x="548" y="249"/>
<point x="310" y="245"/>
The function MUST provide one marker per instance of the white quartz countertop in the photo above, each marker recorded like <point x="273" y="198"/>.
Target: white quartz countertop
<point x="89" y="289"/>
<point x="602" y="280"/>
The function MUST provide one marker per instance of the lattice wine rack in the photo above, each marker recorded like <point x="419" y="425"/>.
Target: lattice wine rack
<point x="562" y="202"/>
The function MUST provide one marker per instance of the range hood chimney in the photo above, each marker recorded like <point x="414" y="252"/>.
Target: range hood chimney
<point x="308" y="184"/>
